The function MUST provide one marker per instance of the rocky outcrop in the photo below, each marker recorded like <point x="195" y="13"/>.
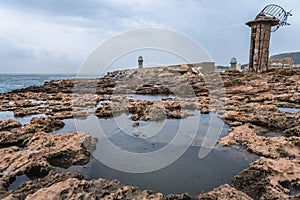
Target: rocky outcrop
<point x="271" y="147"/>
<point x="147" y="110"/>
<point x="224" y="192"/>
<point x="40" y="153"/>
<point x="250" y="107"/>
<point x="6" y="125"/>
<point x="31" y="186"/>
<point x="41" y="124"/>
<point x="96" y="189"/>
<point x="8" y="139"/>
<point x="270" y="179"/>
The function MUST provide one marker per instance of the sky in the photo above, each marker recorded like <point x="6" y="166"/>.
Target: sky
<point x="56" y="36"/>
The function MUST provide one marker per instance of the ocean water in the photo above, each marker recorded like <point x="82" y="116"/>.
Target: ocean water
<point x="10" y="82"/>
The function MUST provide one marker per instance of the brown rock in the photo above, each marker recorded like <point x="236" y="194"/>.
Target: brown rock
<point x="224" y="192"/>
<point x="73" y="188"/>
<point x="271" y="147"/>
<point x="42" y="152"/>
<point x="41" y="124"/>
<point x="6" y="125"/>
<point x="269" y="179"/>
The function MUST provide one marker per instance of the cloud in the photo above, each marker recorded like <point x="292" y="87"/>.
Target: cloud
<point x="12" y="49"/>
<point x="60" y="33"/>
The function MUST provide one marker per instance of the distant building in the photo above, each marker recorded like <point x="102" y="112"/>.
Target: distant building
<point x="296" y="66"/>
<point x="233" y="63"/>
<point x="281" y="63"/>
<point x="140" y="62"/>
<point x="221" y="68"/>
<point x="239" y="67"/>
<point x="207" y="66"/>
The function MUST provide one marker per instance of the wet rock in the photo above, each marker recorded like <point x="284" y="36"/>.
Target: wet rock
<point x="44" y="152"/>
<point x="21" y="112"/>
<point x="135" y="124"/>
<point x="73" y="188"/>
<point x="155" y="113"/>
<point x="204" y="110"/>
<point x="271" y="147"/>
<point x="31" y="187"/>
<point x="265" y="177"/>
<point x="9" y="139"/>
<point x="24" y="103"/>
<point x="137" y="134"/>
<point x="41" y="124"/>
<point x="224" y="192"/>
<point x="6" y="125"/>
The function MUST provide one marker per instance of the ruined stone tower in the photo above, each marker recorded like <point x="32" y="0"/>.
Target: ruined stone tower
<point x="260" y="41"/>
<point x="268" y="20"/>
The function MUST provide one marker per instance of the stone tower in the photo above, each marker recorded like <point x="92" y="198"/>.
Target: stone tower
<point x="260" y="41"/>
<point x="140" y="61"/>
<point x="233" y="63"/>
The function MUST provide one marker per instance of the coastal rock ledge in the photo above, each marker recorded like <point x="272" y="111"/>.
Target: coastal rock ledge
<point x="255" y="106"/>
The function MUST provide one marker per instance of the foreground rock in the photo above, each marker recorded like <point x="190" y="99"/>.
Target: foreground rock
<point x="225" y="192"/>
<point x="270" y="179"/>
<point x="6" y="125"/>
<point x="271" y="147"/>
<point x="40" y="153"/>
<point x="96" y="189"/>
<point x="41" y="124"/>
<point x="251" y="108"/>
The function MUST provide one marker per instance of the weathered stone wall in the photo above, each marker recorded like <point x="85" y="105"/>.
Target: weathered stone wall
<point x="260" y="42"/>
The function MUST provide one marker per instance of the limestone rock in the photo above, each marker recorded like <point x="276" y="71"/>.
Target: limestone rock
<point x="6" y="125"/>
<point x="269" y="179"/>
<point x="224" y="192"/>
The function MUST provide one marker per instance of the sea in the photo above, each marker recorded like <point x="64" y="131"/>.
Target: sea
<point x="10" y="82"/>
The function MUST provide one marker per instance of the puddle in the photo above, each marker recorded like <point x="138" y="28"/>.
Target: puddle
<point x="69" y="127"/>
<point x="40" y="103"/>
<point x="187" y="174"/>
<point x="270" y="134"/>
<point x="26" y="119"/>
<point x="294" y="188"/>
<point x="23" y="120"/>
<point x="4" y="115"/>
<point x="289" y="110"/>
<point x="149" y="97"/>
<point x="18" y="182"/>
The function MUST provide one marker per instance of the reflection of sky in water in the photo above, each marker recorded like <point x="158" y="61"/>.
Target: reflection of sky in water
<point x="153" y="135"/>
<point x="289" y="110"/>
<point x="23" y="120"/>
<point x="149" y="97"/>
<point x="187" y="174"/>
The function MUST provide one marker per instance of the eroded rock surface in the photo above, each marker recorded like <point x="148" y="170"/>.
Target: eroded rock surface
<point x="270" y="179"/>
<point x="96" y="189"/>
<point x="225" y="192"/>
<point x="250" y="105"/>
<point x="6" y="125"/>
<point x="40" y="153"/>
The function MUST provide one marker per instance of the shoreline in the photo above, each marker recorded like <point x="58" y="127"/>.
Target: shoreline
<point x="252" y="110"/>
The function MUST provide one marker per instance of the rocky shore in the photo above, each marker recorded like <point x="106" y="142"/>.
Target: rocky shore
<point x="252" y="104"/>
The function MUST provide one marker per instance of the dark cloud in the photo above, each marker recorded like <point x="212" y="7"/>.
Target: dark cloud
<point x="65" y="31"/>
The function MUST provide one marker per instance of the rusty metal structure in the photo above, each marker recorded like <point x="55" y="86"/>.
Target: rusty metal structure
<point x="270" y="19"/>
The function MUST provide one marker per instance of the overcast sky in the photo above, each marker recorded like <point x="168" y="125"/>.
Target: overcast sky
<point x="55" y="36"/>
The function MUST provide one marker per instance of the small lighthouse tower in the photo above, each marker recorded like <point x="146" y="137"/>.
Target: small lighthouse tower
<point x="140" y="61"/>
